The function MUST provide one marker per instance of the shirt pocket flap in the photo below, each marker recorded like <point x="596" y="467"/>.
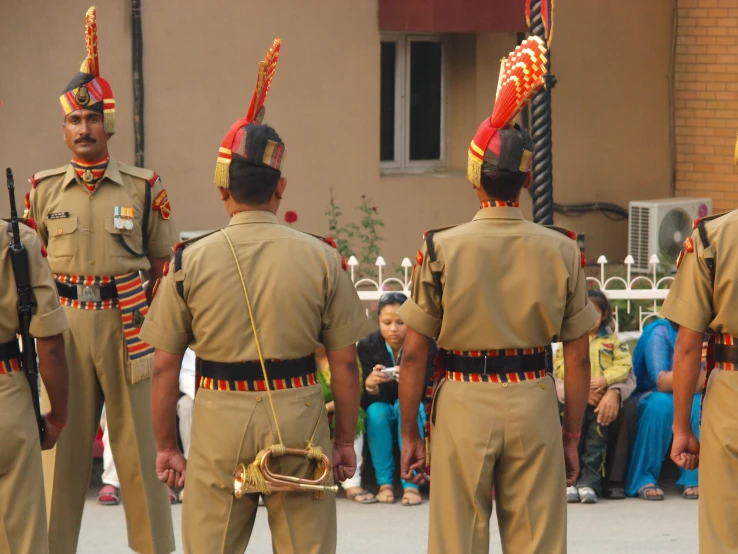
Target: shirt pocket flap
<point x="64" y="226"/>
<point x="112" y="229"/>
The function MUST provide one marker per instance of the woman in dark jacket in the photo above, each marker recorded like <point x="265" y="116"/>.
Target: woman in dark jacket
<point x="378" y="351"/>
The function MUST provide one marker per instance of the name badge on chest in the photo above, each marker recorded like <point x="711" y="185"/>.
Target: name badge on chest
<point x="123" y="218"/>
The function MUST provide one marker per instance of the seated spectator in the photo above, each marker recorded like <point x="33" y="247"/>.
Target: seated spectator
<point x="652" y="363"/>
<point x="352" y="486"/>
<point x="109" y="494"/>
<point x="611" y="364"/>
<point x="381" y="350"/>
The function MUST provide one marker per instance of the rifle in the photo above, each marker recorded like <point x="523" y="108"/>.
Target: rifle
<point x="26" y="304"/>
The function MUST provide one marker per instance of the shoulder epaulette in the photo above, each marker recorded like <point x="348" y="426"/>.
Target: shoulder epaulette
<point x="696" y="222"/>
<point x="140" y="172"/>
<point x="36" y="178"/>
<point x="570" y="234"/>
<point x="179" y="250"/>
<point x="437" y="230"/>
<point x="330" y="241"/>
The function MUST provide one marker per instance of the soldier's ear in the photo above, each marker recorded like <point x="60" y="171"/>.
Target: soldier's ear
<point x="224" y="194"/>
<point x="281" y="185"/>
<point x="528" y="179"/>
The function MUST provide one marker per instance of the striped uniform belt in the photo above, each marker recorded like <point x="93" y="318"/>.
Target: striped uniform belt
<point x="9" y="357"/>
<point x="87" y="293"/>
<point x="497" y="361"/>
<point x="725" y="351"/>
<point x="248" y="376"/>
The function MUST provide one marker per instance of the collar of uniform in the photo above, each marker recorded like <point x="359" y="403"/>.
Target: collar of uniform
<point x="502" y="212"/>
<point x="253" y="216"/>
<point x="111" y="172"/>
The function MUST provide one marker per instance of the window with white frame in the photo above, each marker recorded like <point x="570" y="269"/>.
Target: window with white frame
<point x="412" y="102"/>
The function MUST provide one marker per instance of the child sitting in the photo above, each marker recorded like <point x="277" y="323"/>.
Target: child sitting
<point x="611" y="363"/>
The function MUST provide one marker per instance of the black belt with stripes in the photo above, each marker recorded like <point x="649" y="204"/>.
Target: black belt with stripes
<point x="107" y="292"/>
<point x="725" y="353"/>
<point x="487" y="365"/>
<point x="251" y="371"/>
<point x="9" y="350"/>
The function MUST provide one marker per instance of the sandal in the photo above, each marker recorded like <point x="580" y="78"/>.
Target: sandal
<point x="691" y="495"/>
<point x="386" y="495"/>
<point x="172" y="497"/>
<point x="362" y="497"/>
<point x="615" y="492"/>
<point x="643" y="490"/>
<point x="411" y="499"/>
<point x="109" y="496"/>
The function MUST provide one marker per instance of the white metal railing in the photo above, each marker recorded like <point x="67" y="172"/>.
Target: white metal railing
<point x="631" y="288"/>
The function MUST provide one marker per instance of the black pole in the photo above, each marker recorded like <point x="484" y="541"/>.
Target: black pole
<point x="138" y="86"/>
<point x="542" y="187"/>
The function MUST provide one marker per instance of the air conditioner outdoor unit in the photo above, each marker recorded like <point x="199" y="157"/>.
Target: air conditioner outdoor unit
<point x="660" y="227"/>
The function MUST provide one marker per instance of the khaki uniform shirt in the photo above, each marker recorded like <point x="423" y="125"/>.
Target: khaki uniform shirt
<point x="48" y="317"/>
<point x="693" y="300"/>
<point x="78" y="226"/>
<point x="507" y="283"/>
<point x="299" y="293"/>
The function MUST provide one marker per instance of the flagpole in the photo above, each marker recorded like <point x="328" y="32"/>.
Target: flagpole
<point x="542" y="188"/>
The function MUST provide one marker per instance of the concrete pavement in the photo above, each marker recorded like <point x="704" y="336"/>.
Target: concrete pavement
<point x="609" y="527"/>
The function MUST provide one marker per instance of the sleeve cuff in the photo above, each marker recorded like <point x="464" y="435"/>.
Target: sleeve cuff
<point x="49" y="324"/>
<point x="163" y="339"/>
<point x="680" y="312"/>
<point x="419" y="320"/>
<point x="346" y="335"/>
<point x="580" y="324"/>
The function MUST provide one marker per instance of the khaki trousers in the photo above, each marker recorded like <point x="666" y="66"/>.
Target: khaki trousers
<point x="509" y="436"/>
<point x="22" y="505"/>
<point x="98" y="361"/>
<point x="719" y="466"/>
<point x="232" y="427"/>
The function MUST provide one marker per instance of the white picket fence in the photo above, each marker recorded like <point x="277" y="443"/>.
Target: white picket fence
<point x="632" y="287"/>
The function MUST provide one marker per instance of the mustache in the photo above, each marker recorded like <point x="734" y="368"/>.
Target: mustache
<point x="85" y="139"/>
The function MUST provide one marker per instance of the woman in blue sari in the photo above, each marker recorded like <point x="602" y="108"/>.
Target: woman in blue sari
<point x="652" y="364"/>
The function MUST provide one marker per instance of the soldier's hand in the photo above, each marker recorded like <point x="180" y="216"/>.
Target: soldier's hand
<point x="344" y="461"/>
<point x="171" y="467"/>
<point x="685" y="450"/>
<point x="412" y="462"/>
<point x="571" y="460"/>
<point x="51" y="435"/>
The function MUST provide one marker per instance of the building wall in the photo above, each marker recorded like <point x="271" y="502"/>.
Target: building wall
<point x="610" y="108"/>
<point x="706" y="100"/>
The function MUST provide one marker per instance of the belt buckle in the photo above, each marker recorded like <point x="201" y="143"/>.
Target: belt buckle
<point x="88" y="293"/>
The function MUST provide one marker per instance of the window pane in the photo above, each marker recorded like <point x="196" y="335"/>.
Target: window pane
<point x="425" y="100"/>
<point x="387" y="102"/>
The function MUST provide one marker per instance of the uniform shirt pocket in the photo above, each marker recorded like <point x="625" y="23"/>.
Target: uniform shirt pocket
<point x="131" y="237"/>
<point x="63" y="237"/>
<point x="605" y="358"/>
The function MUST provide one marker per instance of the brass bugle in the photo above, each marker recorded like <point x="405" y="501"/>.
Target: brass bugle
<point x="276" y="482"/>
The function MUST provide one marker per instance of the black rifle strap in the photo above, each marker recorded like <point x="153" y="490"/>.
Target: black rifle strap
<point x="432" y="257"/>
<point x="706" y="244"/>
<point x="179" y="285"/>
<point x="144" y="231"/>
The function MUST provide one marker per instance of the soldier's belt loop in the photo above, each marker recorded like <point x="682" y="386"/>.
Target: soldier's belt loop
<point x="485" y="365"/>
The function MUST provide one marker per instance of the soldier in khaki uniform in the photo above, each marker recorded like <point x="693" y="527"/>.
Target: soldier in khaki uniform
<point x="704" y="298"/>
<point x="103" y="222"/>
<point x="496" y="292"/>
<point x="300" y="296"/>
<point x="22" y="504"/>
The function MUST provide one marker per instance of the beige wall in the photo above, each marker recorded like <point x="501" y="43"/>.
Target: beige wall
<point x="611" y="134"/>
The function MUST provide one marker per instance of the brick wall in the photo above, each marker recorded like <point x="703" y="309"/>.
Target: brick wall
<point x="706" y="100"/>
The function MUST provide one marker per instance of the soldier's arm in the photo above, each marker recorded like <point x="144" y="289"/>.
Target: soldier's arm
<point x="413" y="380"/>
<point x="164" y="397"/>
<point x="162" y="234"/>
<point x="52" y="365"/>
<point x="346" y="392"/>
<point x="156" y="272"/>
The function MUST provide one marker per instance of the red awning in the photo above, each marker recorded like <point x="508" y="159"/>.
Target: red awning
<point x="451" y="16"/>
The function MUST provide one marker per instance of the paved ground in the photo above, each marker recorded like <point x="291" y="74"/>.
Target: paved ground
<point x="610" y="527"/>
